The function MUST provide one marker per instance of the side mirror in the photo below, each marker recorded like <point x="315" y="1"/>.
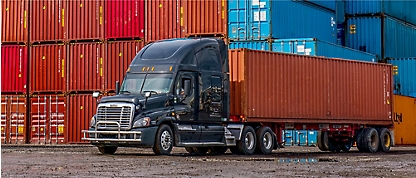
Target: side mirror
<point x="95" y="94"/>
<point x="187" y="87"/>
<point x="117" y="87"/>
<point x="147" y="94"/>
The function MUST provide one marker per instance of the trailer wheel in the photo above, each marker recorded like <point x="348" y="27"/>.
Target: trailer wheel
<point x="320" y="142"/>
<point x="107" y="150"/>
<point x="247" y="144"/>
<point x="333" y="145"/>
<point x="219" y="150"/>
<point x="385" y="139"/>
<point x="164" y="140"/>
<point x="265" y="140"/>
<point x="371" y="140"/>
<point x="360" y="140"/>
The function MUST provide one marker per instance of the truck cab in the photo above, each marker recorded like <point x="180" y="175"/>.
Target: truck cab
<point x="175" y="93"/>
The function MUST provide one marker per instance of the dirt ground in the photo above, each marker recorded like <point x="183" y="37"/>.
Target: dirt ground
<point x="86" y="161"/>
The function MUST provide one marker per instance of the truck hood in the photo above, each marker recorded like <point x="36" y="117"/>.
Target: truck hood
<point x="135" y="99"/>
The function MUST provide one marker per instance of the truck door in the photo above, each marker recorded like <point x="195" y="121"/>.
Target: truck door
<point x="184" y="106"/>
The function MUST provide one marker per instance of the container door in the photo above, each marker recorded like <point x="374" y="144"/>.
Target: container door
<point x="237" y="19"/>
<point x="38" y="121"/>
<point x="57" y="115"/>
<point x="4" y="104"/>
<point x="17" y="119"/>
<point x="259" y="19"/>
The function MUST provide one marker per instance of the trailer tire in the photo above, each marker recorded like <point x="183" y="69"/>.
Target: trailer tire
<point x="346" y="146"/>
<point x="107" y="150"/>
<point x="265" y="140"/>
<point x="333" y="145"/>
<point x="164" y="140"/>
<point x="247" y="144"/>
<point x="385" y="139"/>
<point x="371" y="140"/>
<point x="360" y="140"/>
<point x="320" y="142"/>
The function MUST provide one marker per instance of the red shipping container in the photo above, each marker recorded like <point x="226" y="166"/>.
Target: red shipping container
<point x="204" y="17"/>
<point x="81" y="108"/>
<point x="124" y="19"/>
<point x="85" y="20"/>
<point x="13" y="69"/>
<point x="48" y="115"/>
<point x="13" y="119"/>
<point x="14" y="21"/>
<point x="48" y="68"/>
<point x="85" y="67"/>
<point x="47" y="20"/>
<point x="163" y="19"/>
<point x="118" y="58"/>
<point x="279" y="87"/>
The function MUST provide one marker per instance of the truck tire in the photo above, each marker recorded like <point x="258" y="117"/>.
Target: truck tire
<point x="247" y="144"/>
<point x="265" y="140"/>
<point x="218" y="150"/>
<point x="385" y="139"/>
<point x="164" y="140"/>
<point x="107" y="150"/>
<point x="320" y="141"/>
<point x="371" y="140"/>
<point x="333" y="146"/>
<point x="360" y="140"/>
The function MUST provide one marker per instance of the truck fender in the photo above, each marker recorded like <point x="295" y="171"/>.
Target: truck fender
<point x="236" y="130"/>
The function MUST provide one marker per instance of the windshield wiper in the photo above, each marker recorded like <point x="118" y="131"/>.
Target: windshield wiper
<point x="151" y="91"/>
<point x="124" y="92"/>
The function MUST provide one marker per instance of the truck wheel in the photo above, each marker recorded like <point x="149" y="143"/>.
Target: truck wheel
<point x="265" y="140"/>
<point x="247" y="144"/>
<point x="107" y="150"/>
<point x="219" y="150"/>
<point x="320" y="141"/>
<point x="164" y="140"/>
<point x="385" y="139"/>
<point x="346" y="146"/>
<point x="371" y="140"/>
<point x="360" y="140"/>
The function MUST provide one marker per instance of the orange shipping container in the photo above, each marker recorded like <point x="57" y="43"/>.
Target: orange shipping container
<point x="85" y="20"/>
<point x="163" y="20"/>
<point x="13" y="119"/>
<point x="48" y="68"/>
<point x="47" y="20"/>
<point x="48" y="115"/>
<point x="279" y="87"/>
<point x="81" y="108"/>
<point x="204" y="17"/>
<point x="118" y="58"/>
<point x="85" y="67"/>
<point x="404" y="120"/>
<point x="14" y="20"/>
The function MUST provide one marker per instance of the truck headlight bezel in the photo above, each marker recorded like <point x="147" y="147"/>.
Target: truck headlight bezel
<point x="142" y="122"/>
<point x="92" y="122"/>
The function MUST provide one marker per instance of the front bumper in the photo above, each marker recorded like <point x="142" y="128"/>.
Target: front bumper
<point x="138" y="137"/>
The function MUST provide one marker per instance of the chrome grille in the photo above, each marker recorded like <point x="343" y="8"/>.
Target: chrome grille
<point x="114" y="112"/>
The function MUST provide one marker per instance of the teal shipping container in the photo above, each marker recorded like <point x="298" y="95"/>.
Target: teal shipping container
<point x="256" y="45"/>
<point x="315" y="47"/>
<point x="384" y="36"/>
<point x="270" y="19"/>
<point x="401" y="9"/>
<point x="405" y="79"/>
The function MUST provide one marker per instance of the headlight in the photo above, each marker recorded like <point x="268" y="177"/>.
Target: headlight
<point x="92" y="123"/>
<point x="137" y="107"/>
<point x="142" y="122"/>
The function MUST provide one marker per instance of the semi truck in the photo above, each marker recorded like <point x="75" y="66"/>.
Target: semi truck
<point x="197" y="94"/>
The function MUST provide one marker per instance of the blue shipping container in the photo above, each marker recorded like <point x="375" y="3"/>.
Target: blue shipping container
<point x="299" y="137"/>
<point x="405" y="80"/>
<point x="330" y="4"/>
<point x="256" y="45"/>
<point x="288" y="137"/>
<point x="401" y="9"/>
<point x="267" y="19"/>
<point x="383" y="36"/>
<point x="315" y="47"/>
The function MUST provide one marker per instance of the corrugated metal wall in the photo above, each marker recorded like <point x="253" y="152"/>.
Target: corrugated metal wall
<point x="404" y="120"/>
<point x="405" y="80"/>
<point x="13" y="69"/>
<point x="14" y="20"/>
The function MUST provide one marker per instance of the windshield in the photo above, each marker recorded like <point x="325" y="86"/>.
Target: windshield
<point x="156" y="83"/>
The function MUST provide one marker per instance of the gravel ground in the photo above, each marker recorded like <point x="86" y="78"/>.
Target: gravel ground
<point x="86" y="161"/>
